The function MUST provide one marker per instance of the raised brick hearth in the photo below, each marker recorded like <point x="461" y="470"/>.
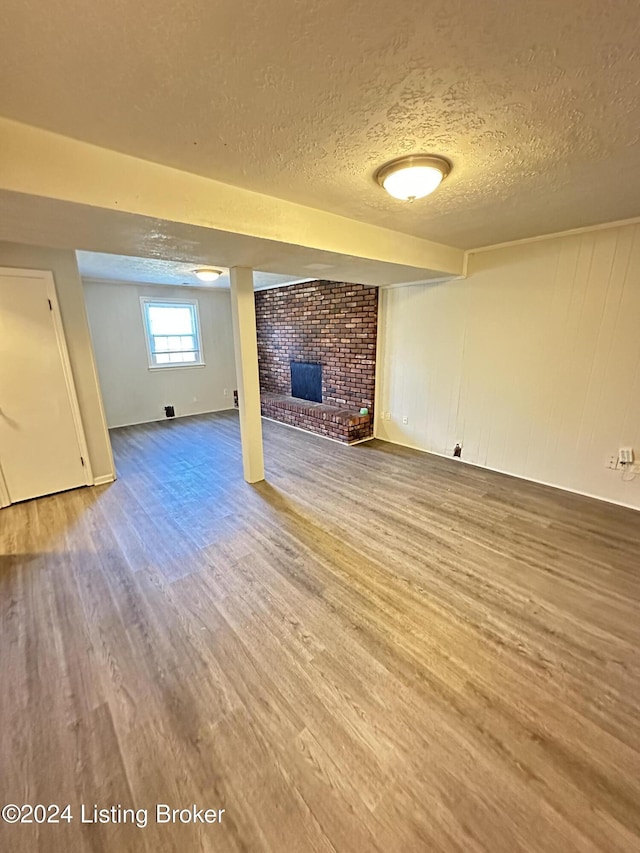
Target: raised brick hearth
<point x="329" y="323"/>
<point x="342" y="424"/>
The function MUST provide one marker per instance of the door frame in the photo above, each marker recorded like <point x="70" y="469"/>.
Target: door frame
<point x="46" y="276"/>
<point x="4" y="492"/>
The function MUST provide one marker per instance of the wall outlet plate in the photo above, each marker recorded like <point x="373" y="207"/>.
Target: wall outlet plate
<point x="611" y="462"/>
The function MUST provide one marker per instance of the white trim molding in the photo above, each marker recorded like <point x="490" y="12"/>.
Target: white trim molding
<point x="571" y="232"/>
<point x="104" y="479"/>
<point x="460" y="461"/>
<point x="5" y="500"/>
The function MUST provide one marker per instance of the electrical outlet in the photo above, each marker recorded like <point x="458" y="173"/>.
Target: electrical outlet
<point x="625" y="456"/>
<point x="226" y="392"/>
<point x="612" y="462"/>
<point x="405" y="419"/>
<point x="386" y="416"/>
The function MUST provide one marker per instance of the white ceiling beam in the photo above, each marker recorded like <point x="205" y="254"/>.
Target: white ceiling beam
<point x="44" y="165"/>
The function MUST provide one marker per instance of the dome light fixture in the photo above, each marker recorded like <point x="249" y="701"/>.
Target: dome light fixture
<point x="415" y="176"/>
<point x="207" y="274"/>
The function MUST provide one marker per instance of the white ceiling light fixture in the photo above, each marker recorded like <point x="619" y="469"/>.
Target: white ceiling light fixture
<point x="415" y="176"/>
<point x="207" y="274"/>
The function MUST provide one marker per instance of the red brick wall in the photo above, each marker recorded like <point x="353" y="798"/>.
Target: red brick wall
<point x="322" y="321"/>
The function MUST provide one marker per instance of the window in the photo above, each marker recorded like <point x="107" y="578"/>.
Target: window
<point x="173" y="333"/>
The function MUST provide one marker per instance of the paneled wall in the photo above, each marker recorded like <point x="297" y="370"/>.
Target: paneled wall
<point x="532" y="362"/>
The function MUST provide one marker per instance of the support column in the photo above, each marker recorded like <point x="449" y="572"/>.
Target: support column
<point x="245" y="341"/>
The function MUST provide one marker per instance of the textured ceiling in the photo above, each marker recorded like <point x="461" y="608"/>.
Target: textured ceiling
<point x="536" y="104"/>
<point x="108" y="267"/>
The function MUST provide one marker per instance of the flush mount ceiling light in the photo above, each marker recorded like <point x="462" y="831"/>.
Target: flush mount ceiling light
<point x="408" y="178"/>
<point x="207" y="275"/>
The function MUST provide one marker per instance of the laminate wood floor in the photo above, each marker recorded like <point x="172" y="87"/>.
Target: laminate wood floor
<point x="374" y="651"/>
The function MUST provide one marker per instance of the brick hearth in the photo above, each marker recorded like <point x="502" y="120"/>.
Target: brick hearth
<point x="331" y="323"/>
<point x="342" y="424"/>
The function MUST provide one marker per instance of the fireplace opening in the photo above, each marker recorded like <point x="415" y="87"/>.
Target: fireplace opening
<point x="306" y="381"/>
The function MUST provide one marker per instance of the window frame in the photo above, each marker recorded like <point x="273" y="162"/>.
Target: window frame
<point x="146" y="326"/>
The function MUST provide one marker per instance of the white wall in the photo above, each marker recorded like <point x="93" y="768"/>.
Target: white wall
<point x="132" y="392"/>
<point x="62" y="264"/>
<point x="532" y="362"/>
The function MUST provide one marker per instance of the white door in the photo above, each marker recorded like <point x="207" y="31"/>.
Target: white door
<point x="42" y="447"/>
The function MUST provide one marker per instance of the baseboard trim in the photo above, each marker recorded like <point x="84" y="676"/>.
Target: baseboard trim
<point x="318" y="434"/>
<point x="515" y="476"/>
<point x="176" y="418"/>
<point x="104" y="479"/>
<point x="360" y="441"/>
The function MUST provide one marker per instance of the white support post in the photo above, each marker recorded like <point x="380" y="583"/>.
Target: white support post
<point x="245" y="340"/>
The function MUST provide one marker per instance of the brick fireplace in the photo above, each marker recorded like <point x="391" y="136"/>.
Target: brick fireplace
<point x="324" y="323"/>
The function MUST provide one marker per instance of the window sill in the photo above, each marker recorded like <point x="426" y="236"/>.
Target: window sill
<point x="183" y="366"/>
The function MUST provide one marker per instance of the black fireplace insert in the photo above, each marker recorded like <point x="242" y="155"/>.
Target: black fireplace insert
<point x="306" y="380"/>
